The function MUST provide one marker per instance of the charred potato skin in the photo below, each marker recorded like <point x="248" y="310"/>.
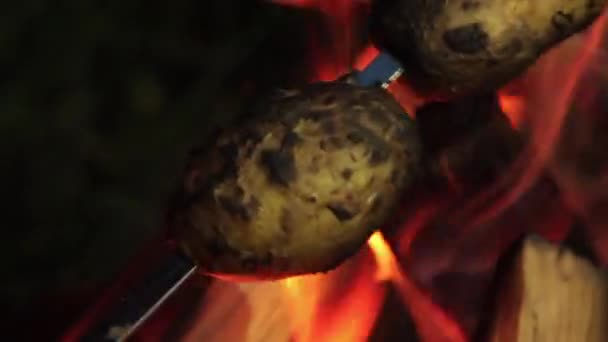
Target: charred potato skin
<point x="461" y="47"/>
<point x="298" y="188"/>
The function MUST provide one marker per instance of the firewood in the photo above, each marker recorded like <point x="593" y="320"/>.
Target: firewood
<point x="551" y="294"/>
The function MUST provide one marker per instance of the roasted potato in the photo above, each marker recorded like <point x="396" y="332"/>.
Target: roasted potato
<point x="452" y="48"/>
<point x="299" y="187"/>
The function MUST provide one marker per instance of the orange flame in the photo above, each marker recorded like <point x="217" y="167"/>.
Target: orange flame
<point x="513" y="106"/>
<point x="315" y="318"/>
<point x="432" y="322"/>
<point x="385" y="259"/>
<point x="339" y="306"/>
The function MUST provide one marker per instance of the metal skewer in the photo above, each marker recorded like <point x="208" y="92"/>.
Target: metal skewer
<point x="141" y="303"/>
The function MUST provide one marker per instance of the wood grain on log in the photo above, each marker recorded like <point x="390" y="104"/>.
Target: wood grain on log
<point x="551" y="294"/>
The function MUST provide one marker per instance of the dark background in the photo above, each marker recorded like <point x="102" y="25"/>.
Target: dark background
<point x="99" y="103"/>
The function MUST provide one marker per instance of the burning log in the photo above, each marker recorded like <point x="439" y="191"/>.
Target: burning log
<point x="551" y="294"/>
<point x="470" y="46"/>
<point x="300" y="188"/>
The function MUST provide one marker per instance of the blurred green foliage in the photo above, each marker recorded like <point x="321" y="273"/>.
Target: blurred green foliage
<point x="99" y="103"/>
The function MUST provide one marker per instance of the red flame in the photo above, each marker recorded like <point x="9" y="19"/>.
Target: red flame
<point x="545" y="108"/>
<point x="344" y="56"/>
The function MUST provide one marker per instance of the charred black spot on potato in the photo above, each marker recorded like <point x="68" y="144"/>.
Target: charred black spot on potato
<point x="336" y="142"/>
<point x="249" y="264"/>
<point x="468" y="5"/>
<point x="355" y="137"/>
<point x="562" y="21"/>
<point x="376" y="204"/>
<point x="592" y="5"/>
<point x="355" y="109"/>
<point x="364" y="97"/>
<point x="378" y="115"/>
<point x="324" y="145"/>
<point x="267" y="259"/>
<point x="378" y="156"/>
<point x="253" y="206"/>
<point x="234" y="207"/>
<point x="279" y="165"/>
<point x="374" y="141"/>
<point x="229" y="153"/>
<point x="514" y="47"/>
<point x="317" y="115"/>
<point x="401" y="133"/>
<point x="290" y="140"/>
<point x="340" y="212"/>
<point x="218" y="247"/>
<point x="252" y="135"/>
<point x="394" y="177"/>
<point x="313" y="166"/>
<point x="310" y="199"/>
<point x="215" y="247"/>
<point x="286" y="222"/>
<point x="329" y="100"/>
<point x="347" y="173"/>
<point x="238" y="191"/>
<point x="290" y="117"/>
<point x="248" y="150"/>
<point x="467" y="39"/>
<point x="328" y="126"/>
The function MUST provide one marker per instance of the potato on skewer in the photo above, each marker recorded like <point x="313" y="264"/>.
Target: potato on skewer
<point x="470" y="46"/>
<point x="299" y="188"/>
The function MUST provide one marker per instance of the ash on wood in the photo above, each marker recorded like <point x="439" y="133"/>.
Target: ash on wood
<point x="551" y="294"/>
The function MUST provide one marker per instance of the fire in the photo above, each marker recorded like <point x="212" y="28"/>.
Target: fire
<point x="549" y="96"/>
<point x="317" y="316"/>
<point x="513" y="106"/>
<point x="385" y="259"/>
<point x="341" y="305"/>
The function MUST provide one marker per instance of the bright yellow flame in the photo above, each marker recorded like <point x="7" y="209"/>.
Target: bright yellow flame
<point x="385" y="259"/>
<point x="304" y="295"/>
<point x="342" y="305"/>
<point x="433" y="323"/>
